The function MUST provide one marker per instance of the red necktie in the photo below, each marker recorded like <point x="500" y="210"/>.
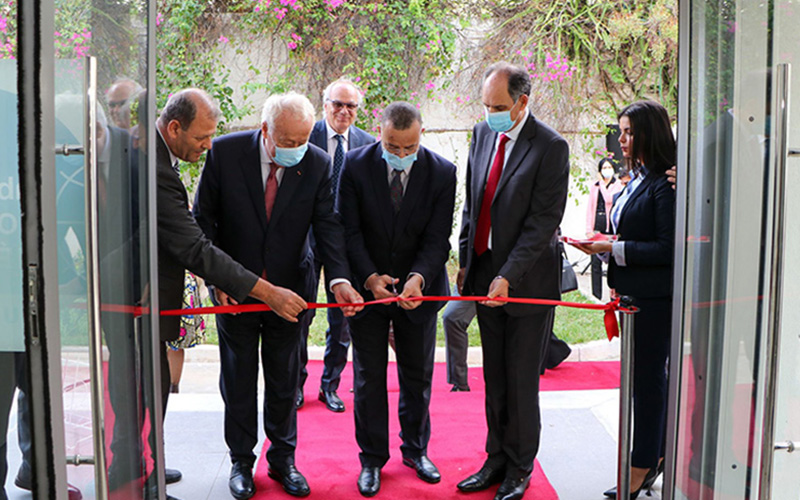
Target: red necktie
<point x="485" y="216"/>
<point x="272" y="190"/>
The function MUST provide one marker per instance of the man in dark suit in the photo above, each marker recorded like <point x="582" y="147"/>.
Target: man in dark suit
<point x="337" y="135"/>
<point x="396" y="199"/>
<point x="260" y="192"/>
<point x="184" y="131"/>
<point x="517" y="179"/>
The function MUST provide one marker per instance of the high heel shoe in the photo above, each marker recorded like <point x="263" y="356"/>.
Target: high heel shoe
<point x="647" y="484"/>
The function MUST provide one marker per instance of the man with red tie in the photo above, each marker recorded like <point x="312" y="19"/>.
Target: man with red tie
<point x="516" y="191"/>
<point x="260" y="192"/>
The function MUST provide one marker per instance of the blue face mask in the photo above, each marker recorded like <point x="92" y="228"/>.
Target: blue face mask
<point x="398" y="163"/>
<point x="500" y="121"/>
<point x="289" y="157"/>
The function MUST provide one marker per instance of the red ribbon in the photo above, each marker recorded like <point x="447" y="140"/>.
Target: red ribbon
<point x="609" y="318"/>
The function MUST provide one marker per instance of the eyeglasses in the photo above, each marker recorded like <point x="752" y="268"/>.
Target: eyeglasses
<point x="338" y="105"/>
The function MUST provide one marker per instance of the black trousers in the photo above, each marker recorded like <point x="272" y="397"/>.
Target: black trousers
<point x="337" y="342"/>
<point x="415" y="344"/>
<point x="239" y="338"/>
<point x="652" y="326"/>
<point x="512" y="353"/>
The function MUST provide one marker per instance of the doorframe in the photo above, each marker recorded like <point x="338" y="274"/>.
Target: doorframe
<point x="35" y="84"/>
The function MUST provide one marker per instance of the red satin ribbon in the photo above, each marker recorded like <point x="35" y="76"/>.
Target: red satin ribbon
<point x="609" y="318"/>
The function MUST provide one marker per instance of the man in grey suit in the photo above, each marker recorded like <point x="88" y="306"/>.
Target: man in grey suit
<point x="337" y="135"/>
<point x="517" y="179"/>
<point x="184" y="132"/>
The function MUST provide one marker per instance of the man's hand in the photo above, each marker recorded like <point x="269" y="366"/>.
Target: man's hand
<point x="672" y="176"/>
<point x="346" y="294"/>
<point x="224" y="299"/>
<point x="497" y="288"/>
<point x="412" y="288"/>
<point x="460" y="280"/>
<point x="283" y="302"/>
<point x="377" y="285"/>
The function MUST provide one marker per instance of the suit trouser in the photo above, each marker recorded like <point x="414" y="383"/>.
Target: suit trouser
<point x="652" y="327"/>
<point x="512" y="350"/>
<point x="415" y="345"/>
<point x="456" y="319"/>
<point x="337" y="341"/>
<point x="239" y="337"/>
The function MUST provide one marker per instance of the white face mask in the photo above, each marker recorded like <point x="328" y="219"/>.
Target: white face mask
<point x="608" y="173"/>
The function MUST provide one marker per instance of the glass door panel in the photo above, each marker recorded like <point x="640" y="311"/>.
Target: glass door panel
<point x="727" y="116"/>
<point x="103" y="225"/>
<point x="786" y="466"/>
<point x="12" y="339"/>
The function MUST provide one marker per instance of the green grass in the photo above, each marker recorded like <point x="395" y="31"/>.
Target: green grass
<point x="574" y="326"/>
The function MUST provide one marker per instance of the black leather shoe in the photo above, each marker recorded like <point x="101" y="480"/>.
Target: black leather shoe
<point x="459" y="388"/>
<point x="300" y="401"/>
<point x="369" y="481"/>
<point x="425" y="469"/>
<point x="241" y="481"/>
<point x="172" y="476"/>
<point x="290" y="478"/>
<point x="513" y="488"/>
<point x="482" y="479"/>
<point x="332" y="400"/>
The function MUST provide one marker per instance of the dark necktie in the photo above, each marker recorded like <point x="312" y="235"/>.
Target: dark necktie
<point x="271" y="190"/>
<point x="396" y="191"/>
<point x="485" y="216"/>
<point x="338" y="159"/>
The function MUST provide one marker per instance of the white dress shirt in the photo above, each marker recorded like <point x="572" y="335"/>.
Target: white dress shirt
<point x="618" y="247"/>
<point x="512" y="135"/>
<point x="332" y="142"/>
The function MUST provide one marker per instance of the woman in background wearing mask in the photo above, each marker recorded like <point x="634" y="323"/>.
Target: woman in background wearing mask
<point x="601" y="197"/>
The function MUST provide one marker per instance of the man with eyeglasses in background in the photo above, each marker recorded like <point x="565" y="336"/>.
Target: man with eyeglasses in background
<point x="336" y="134"/>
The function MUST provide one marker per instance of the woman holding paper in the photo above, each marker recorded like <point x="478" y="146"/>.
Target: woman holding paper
<point x="601" y="197"/>
<point x="640" y="265"/>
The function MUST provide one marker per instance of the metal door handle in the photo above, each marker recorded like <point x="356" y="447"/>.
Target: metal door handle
<point x="69" y="149"/>
<point x="789" y="446"/>
<point x="794" y="152"/>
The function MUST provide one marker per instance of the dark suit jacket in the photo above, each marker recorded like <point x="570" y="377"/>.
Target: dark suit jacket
<point x="526" y="211"/>
<point x="319" y="137"/>
<point x="182" y="245"/>
<point x="416" y="239"/>
<point x="230" y="208"/>
<point x="647" y="226"/>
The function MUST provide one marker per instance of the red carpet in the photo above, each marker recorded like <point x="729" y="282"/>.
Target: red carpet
<point x="327" y="453"/>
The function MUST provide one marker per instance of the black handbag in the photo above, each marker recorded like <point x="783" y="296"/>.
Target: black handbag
<point x="569" y="281"/>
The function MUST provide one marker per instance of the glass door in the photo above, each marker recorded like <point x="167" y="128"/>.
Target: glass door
<point x="99" y="390"/>
<point x="735" y="296"/>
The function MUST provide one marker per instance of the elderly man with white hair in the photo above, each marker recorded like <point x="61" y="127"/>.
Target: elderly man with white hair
<point x="259" y="194"/>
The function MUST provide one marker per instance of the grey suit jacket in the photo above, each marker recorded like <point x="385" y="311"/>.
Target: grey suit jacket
<point x="182" y="245"/>
<point x="526" y="211"/>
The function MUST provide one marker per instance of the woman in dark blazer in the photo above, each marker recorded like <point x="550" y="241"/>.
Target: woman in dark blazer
<point x="640" y="265"/>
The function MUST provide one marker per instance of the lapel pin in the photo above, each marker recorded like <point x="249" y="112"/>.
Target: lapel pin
<point x="299" y="173"/>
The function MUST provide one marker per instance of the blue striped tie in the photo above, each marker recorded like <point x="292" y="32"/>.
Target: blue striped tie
<point x="338" y="159"/>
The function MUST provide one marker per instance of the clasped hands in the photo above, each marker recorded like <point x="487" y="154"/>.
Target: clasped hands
<point x="287" y="304"/>
<point x="383" y="287"/>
